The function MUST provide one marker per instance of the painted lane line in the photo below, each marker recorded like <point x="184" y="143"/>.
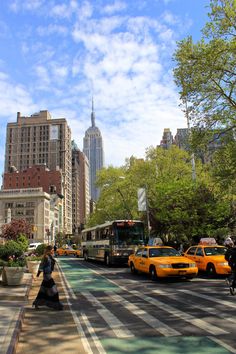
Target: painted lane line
<point x="93" y="334"/>
<point x="114" y="323"/>
<point x="222" y="344"/>
<point x="70" y="290"/>
<point x="182" y="315"/>
<point x="153" y="322"/>
<point x="206" y="297"/>
<point x="81" y="333"/>
<point x="207" y="309"/>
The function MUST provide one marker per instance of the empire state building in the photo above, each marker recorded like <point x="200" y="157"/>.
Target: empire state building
<point x="93" y="149"/>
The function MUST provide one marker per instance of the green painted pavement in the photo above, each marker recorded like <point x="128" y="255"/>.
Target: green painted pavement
<point x="162" y="345"/>
<point x="84" y="279"/>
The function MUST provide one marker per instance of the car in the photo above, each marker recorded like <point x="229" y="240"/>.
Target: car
<point x="67" y="251"/>
<point x="33" y="246"/>
<point x="209" y="257"/>
<point x="162" y="262"/>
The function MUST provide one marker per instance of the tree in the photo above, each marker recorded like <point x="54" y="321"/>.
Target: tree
<point x="16" y="227"/>
<point x="205" y="71"/>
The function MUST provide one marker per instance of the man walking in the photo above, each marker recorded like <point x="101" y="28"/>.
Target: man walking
<point x="230" y="257"/>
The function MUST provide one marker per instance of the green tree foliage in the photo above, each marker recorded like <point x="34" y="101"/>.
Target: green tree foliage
<point x="179" y="207"/>
<point x="205" y="71"/>
<point x="16" y="227"/>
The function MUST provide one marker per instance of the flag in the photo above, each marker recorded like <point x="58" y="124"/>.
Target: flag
<point x="142" y="205"/>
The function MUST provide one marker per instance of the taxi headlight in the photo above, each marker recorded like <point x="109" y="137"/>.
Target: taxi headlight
<point x="192" y="265"/>
<point x="116" y="253"/>
<point x="164" y="265"/>
<point x="223" y="264"/>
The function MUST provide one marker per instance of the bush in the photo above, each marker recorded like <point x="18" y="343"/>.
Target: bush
<point x="23" y="240"/>
<point x="40" y="249"/>
<point x="11" y="248"/>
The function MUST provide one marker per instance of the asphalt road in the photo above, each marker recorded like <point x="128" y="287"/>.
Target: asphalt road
<point x="118" y="312"/>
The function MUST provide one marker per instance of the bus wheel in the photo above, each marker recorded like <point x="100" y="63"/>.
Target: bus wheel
<point x="133" y="269"/>
<point x="153" y="273"/>
<point x="107" y="260"/>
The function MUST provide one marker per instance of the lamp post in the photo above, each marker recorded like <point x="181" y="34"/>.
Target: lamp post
<point x="143" y="205"/>
<point x="189" y="131"/>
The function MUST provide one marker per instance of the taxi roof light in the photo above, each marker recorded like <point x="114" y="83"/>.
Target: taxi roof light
<point x="208" y="241"/>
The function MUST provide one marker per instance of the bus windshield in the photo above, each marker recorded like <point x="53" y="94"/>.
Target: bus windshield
<point x="129" y="233"/>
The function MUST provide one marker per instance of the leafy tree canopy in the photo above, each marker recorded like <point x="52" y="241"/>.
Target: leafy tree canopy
<point x="205" y="71"/>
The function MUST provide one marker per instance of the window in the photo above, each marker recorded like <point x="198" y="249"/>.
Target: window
<point x="192" y="250"/>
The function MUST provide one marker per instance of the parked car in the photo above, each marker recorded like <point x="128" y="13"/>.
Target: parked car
<point x="209" y="257"/>
<point x="160" y="262"/>
<point x="33" y="246"/>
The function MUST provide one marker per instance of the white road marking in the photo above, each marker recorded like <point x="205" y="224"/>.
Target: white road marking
<point x="206" y="297"/>
<point x="152" y="321"/>
<point x="93" y="334"/>
<point x="82" y="335"/>
<point x="222" y="344"/>
<point x="114" y="323"/>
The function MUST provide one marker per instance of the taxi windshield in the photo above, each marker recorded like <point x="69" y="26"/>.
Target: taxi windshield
<point x="214" y="251"/>
<point x="163" y="252"/>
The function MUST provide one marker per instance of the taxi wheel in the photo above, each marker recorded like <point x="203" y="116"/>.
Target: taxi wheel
<point x="153" y="273"/>
<point x="211" y="269"/>
<point x="132" y="268"/>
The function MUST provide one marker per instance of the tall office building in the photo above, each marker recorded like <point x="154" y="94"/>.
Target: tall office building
<point x="38" y="140"/>
<point x="80" y="189"/>
<point x="167" y="139"/>
<point x="93" y="149"/>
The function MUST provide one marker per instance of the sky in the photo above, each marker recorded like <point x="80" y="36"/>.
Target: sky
<point x="56" y="55"/>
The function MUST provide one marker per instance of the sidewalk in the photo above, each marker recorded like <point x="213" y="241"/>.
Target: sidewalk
<point x="12" y="306"/>
<point x="25" y="330"/>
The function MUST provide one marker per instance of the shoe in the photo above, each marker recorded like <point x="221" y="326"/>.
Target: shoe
<point x="35" y="306"/>
<point x="227" y="282"/>
<point x="231" y="289"/>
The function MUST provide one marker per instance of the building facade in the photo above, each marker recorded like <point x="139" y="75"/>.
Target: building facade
<point x="33" y="205"/>
<point x="38" y="140"/>
<point x="93" y="149"/>
<point x="80" y="189"/>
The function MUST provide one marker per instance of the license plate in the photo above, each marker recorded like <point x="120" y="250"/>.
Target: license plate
<point x="182" y="272"/>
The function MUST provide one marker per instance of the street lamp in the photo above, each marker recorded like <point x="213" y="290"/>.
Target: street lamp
<point x="144" y="206"/>
<point x="189" y="131"/>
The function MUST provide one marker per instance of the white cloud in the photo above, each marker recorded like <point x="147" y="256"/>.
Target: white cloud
<point x="117" y="6"/>
<point x="14" y="98"/>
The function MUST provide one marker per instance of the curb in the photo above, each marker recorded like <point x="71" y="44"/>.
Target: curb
<point x="14" y="333"/>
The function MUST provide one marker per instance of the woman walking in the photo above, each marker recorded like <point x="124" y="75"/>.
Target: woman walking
<point x="48" y="293"/>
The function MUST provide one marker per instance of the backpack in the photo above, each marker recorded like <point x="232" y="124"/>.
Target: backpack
<point x="230" y="256"/>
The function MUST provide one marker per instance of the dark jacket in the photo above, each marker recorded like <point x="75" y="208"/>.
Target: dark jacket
<point x="230" y="257"/>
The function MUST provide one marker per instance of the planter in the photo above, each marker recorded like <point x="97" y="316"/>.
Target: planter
<point x="14" y="275"/>
<point x="4" y="277"/>
<point x="33" y="267"/>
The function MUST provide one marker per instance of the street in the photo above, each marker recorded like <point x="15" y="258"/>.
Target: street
<point x="118" y="312"/>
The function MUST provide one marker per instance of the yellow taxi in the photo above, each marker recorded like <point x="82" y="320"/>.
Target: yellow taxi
<point x="161" y="262"/>
<point x="209" y="257"/>
<point x="69" y="251"/>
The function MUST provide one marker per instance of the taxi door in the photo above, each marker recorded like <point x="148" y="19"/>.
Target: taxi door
<point x="138" y="259"/>
<point x="200" y="259"/>
<point x="144" y="264"/>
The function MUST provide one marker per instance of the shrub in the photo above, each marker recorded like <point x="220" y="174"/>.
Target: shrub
<point x="40" y="249"/>
<point x="11" y="248"/>
<point x="23" y="240"/>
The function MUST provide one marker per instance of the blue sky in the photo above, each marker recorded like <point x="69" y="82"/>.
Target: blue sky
<point x="56" y="54"/>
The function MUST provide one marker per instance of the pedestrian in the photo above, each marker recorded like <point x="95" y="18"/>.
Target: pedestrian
<point x="48" y="293"/>
<point x="55" y="250"/>
<point x="230" y="257"/>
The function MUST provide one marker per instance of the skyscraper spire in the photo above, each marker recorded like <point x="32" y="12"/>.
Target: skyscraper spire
<point x="93" y="115"/>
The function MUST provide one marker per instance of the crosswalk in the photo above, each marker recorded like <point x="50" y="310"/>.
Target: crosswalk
<point x="155" y="312"/>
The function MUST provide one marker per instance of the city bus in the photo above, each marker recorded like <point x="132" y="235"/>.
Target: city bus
<point x="113" y="241"/>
